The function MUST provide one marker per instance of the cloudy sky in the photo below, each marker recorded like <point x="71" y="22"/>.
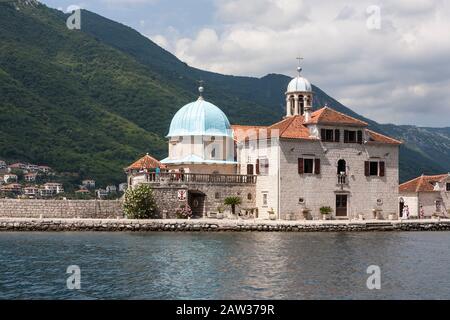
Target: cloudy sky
<point x="394" y="69"/>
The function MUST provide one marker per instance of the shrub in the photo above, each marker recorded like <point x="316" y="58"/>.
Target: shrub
<point x="326" y="210"/>
<point x="139" y="203"/>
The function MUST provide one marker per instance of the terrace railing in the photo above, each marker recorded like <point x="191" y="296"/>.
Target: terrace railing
<point x="199" y="178"/>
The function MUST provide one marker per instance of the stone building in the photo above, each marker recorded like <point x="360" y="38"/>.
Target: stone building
<point x="290" y="169"/>
<point x="429" y="194"/>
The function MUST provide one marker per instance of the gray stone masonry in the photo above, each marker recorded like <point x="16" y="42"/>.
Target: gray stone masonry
<point x="101" y="209"/>
<point x="114" y="225"/>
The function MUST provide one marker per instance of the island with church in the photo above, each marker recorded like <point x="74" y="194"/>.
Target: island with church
<point x="309" y="165"/>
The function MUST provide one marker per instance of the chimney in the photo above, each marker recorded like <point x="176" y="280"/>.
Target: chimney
<point x="307" y="109"/>
<point x="307" y="113"/>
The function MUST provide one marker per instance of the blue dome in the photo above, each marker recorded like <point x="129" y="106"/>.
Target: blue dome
<point x="299" y="84"/>
<point x="200" y="118"/>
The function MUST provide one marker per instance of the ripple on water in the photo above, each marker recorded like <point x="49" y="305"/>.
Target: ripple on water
<point x="225" y="265"/>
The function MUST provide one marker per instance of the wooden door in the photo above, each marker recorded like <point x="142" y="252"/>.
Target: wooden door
<point x="341" y="205"/>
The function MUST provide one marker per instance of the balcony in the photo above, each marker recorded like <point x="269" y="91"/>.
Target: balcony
<point x="342" y="179"/>
<point x="195" y="178"/>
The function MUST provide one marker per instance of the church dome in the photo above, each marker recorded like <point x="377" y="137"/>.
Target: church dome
<point x="200" y="118"/>
<point x="299" y="84"/>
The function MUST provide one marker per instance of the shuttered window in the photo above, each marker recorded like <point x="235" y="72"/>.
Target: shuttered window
<point x="375" y="168"/>
<point x="249" y="169"/>
<point x="360" y="137"/>
<point x="350" y="136"/>
<point x="301" y="167"/>
<point x="317" y="166"/>
<point x="327" y="135"/>
<point x="323" y="134"/>
<point x="382" y="168"/>
<point x="337" y="135"/>
<point x="308" y="166"/>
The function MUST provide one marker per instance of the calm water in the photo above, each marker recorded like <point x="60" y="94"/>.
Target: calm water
<point x="225" y="265"/>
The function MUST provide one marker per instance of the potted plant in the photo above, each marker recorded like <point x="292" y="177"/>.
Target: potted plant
<point x="220" y="209"/>
<point x="325" y="211"/>
<point x="272" y="215"/>
<point x="233" y="202"/>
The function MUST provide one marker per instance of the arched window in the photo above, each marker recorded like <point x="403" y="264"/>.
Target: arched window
<point x="342" y="167"/>
<point x="301" y="105"/>
<point x="292" y="104"/>
<point x="249" y="196"/>
<point x="217" y="195"/>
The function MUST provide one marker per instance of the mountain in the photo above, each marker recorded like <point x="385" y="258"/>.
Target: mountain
<point x="92" y="100"/>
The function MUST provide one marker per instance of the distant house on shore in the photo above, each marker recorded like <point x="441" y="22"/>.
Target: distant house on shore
<point x="30" y="177"/>
<point x="8" y="178"/>
<point x="426" y="196"/>
<point x="123" y="187"/>
<point x="44" y="169"/>
<point x="101" y="193"/>
<point x="53" y="188"/>
<point x="31" y="191"/>
<point x="12" y="188"/>
<point x="18" y="166"/>
<point x="3" y="165"/>
<point x="32" y="167"/>
<point x="111" y="189"/>
<point x="88" y="183"/>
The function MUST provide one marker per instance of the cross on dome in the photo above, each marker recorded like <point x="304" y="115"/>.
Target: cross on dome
<point x="201" y="89"/>
<point x="299" y="68"/>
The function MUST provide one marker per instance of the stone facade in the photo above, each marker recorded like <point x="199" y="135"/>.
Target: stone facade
<point x="100" y="209"/>
<point x="289" y="193"/>
<point x="166" y="196"/>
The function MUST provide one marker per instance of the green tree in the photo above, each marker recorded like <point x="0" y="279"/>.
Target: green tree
<point x="232" y="202"/>
<point x="140" y="203"/>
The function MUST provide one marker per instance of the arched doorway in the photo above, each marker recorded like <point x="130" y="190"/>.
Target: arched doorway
<point x="401" y="207"/>
<point x="196" y="200"/>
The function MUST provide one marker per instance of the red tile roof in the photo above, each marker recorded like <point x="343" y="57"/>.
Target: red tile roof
<point x="330" y="116"/>
<point x="422" y="183"/>
<point x="380" y="138"/>
<point x="146" y="162"/>
<point x="295" y="127"/>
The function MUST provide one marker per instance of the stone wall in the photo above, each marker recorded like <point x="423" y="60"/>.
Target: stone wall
<point x="100" y="209"/>
<point x="115" y="225"/>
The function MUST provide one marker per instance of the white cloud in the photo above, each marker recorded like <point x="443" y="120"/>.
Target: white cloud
<point x="396" y="74"/>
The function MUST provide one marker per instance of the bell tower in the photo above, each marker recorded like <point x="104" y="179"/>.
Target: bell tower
<point x="299" y="95"/>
